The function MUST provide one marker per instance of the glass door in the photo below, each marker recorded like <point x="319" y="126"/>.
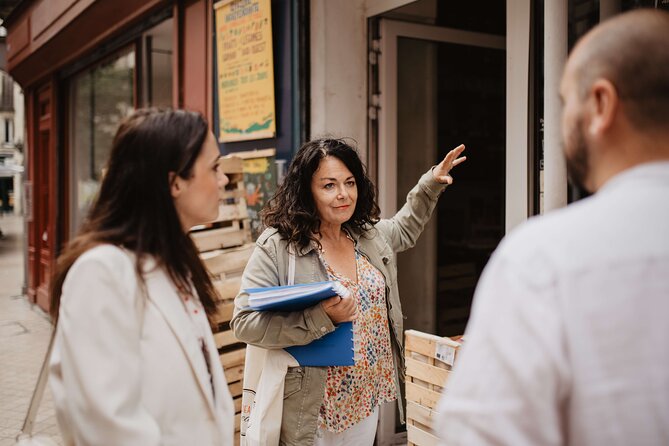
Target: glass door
<point x="441" y="87"/>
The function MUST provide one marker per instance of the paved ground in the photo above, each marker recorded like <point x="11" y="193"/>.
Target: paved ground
<point x="24" y="336"/>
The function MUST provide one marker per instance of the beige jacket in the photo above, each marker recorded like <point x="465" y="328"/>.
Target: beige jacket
<point x="268" y="266"/>
<point x="127" y="367"/>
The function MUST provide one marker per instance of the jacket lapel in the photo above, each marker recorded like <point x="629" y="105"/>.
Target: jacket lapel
<point x="162" y="293"/>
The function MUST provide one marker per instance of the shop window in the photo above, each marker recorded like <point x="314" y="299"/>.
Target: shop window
<point x="157" y="53"/>
<point x="101" y="97"/>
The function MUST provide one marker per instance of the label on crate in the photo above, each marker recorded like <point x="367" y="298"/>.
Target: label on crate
<point x="445" y="353"/>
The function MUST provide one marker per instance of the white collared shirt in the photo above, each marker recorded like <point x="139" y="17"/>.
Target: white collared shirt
<point x="568" y="343"/>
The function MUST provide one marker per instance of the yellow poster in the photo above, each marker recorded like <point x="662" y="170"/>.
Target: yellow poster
<point x="245" y="70"/>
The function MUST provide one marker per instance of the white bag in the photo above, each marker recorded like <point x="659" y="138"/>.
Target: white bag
<point x="262" y="394"/>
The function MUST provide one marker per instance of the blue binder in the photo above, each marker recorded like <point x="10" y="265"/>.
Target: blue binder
<point x="333" y="349"/>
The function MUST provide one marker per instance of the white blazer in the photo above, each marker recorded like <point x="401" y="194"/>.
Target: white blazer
<point x="127" y="370"/>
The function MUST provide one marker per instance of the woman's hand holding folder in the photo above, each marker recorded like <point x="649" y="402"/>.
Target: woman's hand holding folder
<point x="341" y="308"/>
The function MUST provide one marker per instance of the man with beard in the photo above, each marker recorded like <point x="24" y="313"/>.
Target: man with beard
<point x="568" y="343"/>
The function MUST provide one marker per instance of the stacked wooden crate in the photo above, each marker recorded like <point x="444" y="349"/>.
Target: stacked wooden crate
<point x="225" y="247"/>
<point x="429" y="360"/>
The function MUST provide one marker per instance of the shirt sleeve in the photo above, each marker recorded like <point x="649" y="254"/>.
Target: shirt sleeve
<point x="274" y="329"/>
<point x="98" y="346"/>
<point x="403" y="229"/>
<point x="510" y="379"/>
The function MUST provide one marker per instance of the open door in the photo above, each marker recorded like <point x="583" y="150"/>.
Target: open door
<point x="440" y="87"/>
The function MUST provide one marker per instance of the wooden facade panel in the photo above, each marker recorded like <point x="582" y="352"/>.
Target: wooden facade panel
<point x="47" y="35"/>
<point x="194" y="61"/>
<point x="48" y="13"/>
<point x="19" y="38"/>
<point x="71" y="34"/>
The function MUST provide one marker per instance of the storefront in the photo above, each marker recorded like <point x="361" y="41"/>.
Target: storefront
<point x="407" y="80"/>
<point x="428" y="75"/>
<point x="84" y="65"/>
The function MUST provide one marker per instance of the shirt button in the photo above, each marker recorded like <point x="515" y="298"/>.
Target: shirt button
<point x="323" y="329"/>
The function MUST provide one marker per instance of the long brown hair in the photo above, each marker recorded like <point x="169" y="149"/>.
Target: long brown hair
<point x="135" y="209"/>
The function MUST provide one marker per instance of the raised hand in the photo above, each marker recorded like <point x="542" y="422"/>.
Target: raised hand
<point x="452" y="159"/>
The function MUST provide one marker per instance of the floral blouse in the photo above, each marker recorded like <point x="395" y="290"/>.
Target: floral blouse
<point x="352" y="392"/>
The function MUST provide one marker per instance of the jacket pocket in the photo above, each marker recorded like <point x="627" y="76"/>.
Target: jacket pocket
<point x="293" y="381"/>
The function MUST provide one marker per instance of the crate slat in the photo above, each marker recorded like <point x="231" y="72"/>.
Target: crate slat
<point x="233" y="194"/>
<point x="421" y="395"/>
<point x="424" y="415"/>
<point x="426" y="372"/>
<point x="225" y="338"/>
<point x="232" y="211"/>
<point x="236" y="389"/>
<point x="235" y="235"/>
<point x="233" y="358"/>
<point x="442" y="349"/>
<point x="235" y="373"/>
<point x="420" y="437"/>
<point x="227" y="261"/>
<point x="228" y="288"/>
<point x="223" y="312"/>
<point x="230" y="164"/>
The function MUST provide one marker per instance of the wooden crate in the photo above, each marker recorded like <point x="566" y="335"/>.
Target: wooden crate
<point x="225" y="247"/>
<point x="429" y="359"/>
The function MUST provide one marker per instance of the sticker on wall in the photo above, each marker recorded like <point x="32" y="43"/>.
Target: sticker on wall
<point x="245" y="81"/>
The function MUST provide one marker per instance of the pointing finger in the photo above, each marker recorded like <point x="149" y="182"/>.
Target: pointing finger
<point x="462" y="159"/>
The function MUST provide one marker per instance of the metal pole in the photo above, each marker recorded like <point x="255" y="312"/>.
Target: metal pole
<point x="555" y="57"/>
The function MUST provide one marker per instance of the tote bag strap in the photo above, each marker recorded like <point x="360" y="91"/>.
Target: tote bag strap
<point x="291" y="265"/>
<point x="38" y="393"/>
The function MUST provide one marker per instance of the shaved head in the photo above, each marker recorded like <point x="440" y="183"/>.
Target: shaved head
<point x="632" y="52"/>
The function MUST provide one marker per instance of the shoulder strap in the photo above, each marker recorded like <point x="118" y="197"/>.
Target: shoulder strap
<point x="38" y="393"/>
<point x="291" y="265"/>
<point x="29" y="421"/>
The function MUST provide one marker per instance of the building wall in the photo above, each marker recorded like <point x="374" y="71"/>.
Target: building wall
<point x="48" y="46"/>
<point x="339" y="69"/>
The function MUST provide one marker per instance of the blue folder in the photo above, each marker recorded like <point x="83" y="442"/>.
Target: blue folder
<point x="333" y="349"/>
<point x="291" y="297"/>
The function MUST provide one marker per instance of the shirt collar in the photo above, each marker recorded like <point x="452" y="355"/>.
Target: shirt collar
<point x="652" y="171"/>
<point x="313" y="246"/>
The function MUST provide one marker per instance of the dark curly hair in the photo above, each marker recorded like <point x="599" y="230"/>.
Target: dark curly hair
<point x="292" y="210"/>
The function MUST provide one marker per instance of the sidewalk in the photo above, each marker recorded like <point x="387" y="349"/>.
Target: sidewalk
<point x="24" y="335"/>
